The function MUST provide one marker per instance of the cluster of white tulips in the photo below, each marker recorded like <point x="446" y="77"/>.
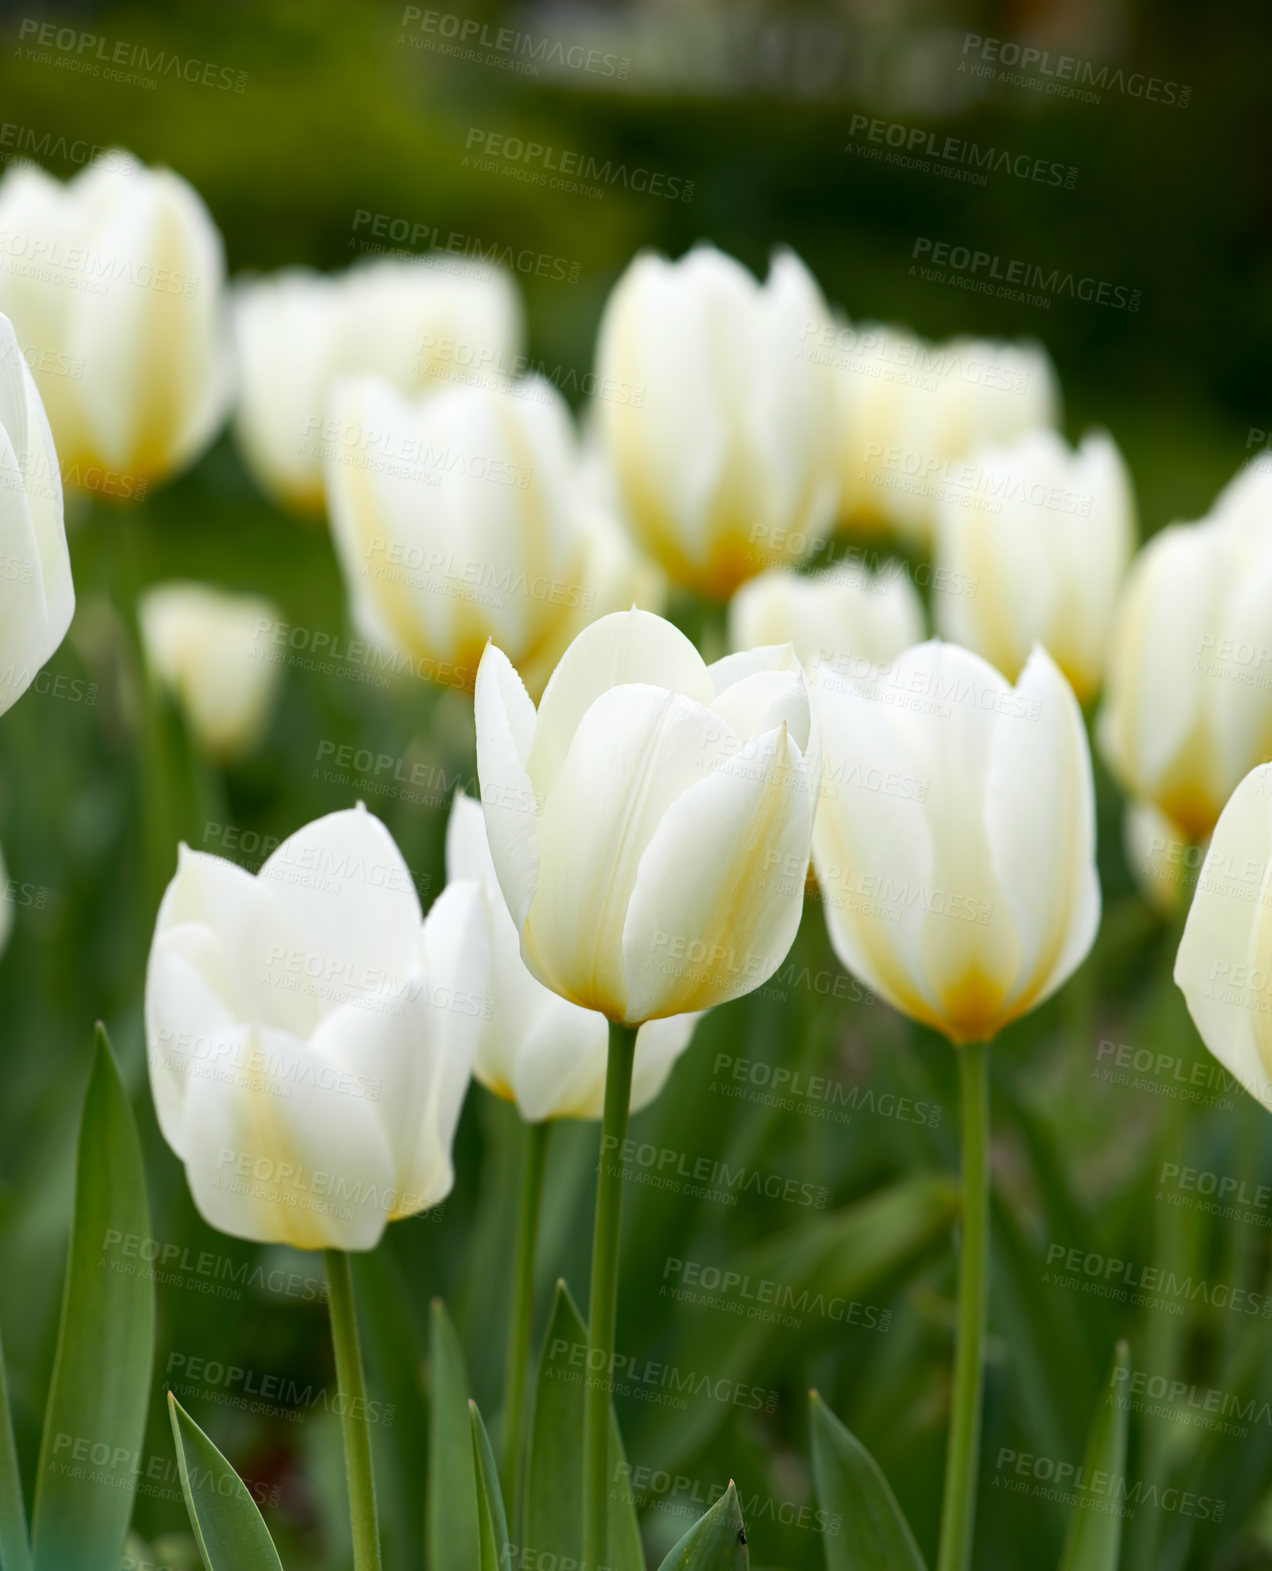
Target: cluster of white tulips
<point x="648" y="822"/>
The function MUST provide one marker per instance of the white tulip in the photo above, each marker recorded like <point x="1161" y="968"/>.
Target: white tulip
<point x="310" y="1038"/>
<point x="204" y="646"/>
<point x="724" y="460"/>
<point x="1162" y="862"/>
<point x="115" y="282"/>
<point x="843" y="611"/>
<point x="537" y="1049"/>
<point x="1032" y="549"/>
<point x="1188" y="694"/>
<point x="298" y="331"/>
<point x="955" y="841"/>
<point x="908" y="410"/>
<point x="650" y="824"/>
<point x="37" y="598"/>
<point x="455" y="519"/>
<point x="1224" y="965"/>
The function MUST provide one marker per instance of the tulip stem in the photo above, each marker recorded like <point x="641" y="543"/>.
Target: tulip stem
<point x="958" y="1509"/>
<point x="603" y="1299"/>
<point x="519" y="1327"/>
<point x="353" y="1402"/>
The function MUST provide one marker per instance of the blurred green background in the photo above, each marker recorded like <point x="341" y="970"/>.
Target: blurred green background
<point x="339" y="114"/>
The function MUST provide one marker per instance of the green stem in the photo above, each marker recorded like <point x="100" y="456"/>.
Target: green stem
<point x="958" y="1508"/>
<point x="519" y="1326"/>
<point x="15" y="1552"/>
<point x="353" y="1403"/>
<point x="603" y="1299"/>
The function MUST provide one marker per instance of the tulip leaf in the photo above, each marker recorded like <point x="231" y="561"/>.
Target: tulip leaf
<point x="15" y="1552"/>
<point x="554" y="1466"/>
<point x="715" y="1542"/>
<point x="95" y="1422"/>
<point x="492" y="1520"/>
<point x="230" y="1531"/>
<point x="453" y="1541"/>
<point x="1094" y="1538"/>
<point x="872" y="1534"/>
<point x="829" y="1268"/>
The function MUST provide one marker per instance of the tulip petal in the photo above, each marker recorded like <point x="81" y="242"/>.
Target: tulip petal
<point x="636" y="749"/>
<point x="627" y="646"/>
<point x="707" y="920"/>
<point x="296" y="1160"/>
<point x="1040" y="814"/>
<point x="505" y="721"/>
<point x="1222" y="967"/>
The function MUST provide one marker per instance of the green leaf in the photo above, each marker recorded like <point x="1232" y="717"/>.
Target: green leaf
<point x="452" y="1474"/>
<point x="15" y="1553"/>
<point x="492" y="1521"/>
<point x="1095" y="1537"/>
<point x="715" y="1542"/>
<point x="229" y="1530"/>
<point x="554" y="1466"/>
<point x="872" y="1534"/>
<point x="95" y="1422"/>
<point x="824" y="1265"/>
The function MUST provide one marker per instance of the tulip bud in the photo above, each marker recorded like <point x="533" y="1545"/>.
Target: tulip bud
<point x="724" y="461"/>
<point x="841" y="612"/>
<point x="124" y="315"/>
<point x="955" y="840"/>
<point x="37" y="597"/>
<point x="310" y="1040"/>
<point x="1188" y="695"/>
<point x="1032" y="548"/>
<point x="909" y="410"/>
<point x="1224" y="965"/>
<point x="455" y="518"/>
<point x="204" y="646"/>
<point x="537" y="1049"/>
<point x="412" y="323"/>
<point x="650" y="824"/>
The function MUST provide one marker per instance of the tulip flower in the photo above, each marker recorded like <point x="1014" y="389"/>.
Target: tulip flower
<point x="649" y="826"/>
<point x="724" y="462"/>
<point x="843" y="611"/>
<point x="958" y="877"/>
<point x="1032" y="548"/>
<point x="1224" y="964"/>
<point x="297" y="332"/>
<point x="455" y="519"/>
<point x="909" y="410"/>
<point x="203" y="646"/>
<point x="37" y="597"/>
<point x="548" y="1056"/>
<point x="310" y="1036"/>
<point x="1188" y="696"/>
<point x="115" y="283"/>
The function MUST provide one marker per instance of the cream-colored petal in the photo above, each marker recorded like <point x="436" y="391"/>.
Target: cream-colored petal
<point x="505" y="721"/>
<point x="720" y="887"/>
